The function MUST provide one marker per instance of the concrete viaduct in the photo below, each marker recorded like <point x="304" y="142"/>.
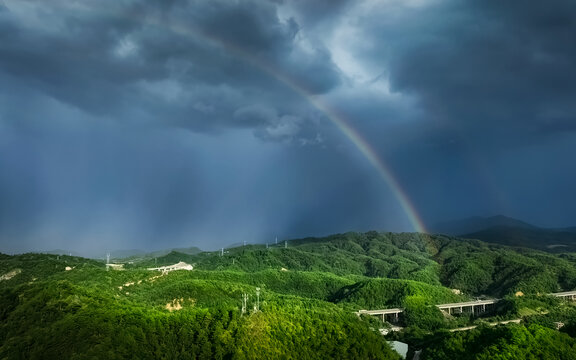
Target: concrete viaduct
<point x="474" y="307"/>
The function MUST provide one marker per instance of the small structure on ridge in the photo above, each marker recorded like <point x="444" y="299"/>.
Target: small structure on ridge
<point x="179" y="266"/>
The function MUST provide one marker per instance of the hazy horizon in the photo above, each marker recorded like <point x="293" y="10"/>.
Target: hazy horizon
<point x="100" y="252"/>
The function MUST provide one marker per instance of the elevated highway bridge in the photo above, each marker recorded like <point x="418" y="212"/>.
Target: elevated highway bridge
<point x="473" y="307"/>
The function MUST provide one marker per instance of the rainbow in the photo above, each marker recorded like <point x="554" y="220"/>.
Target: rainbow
<point x="370" y="154"/>
<point x="338" y="120"/>
<point x="360" y="143"/>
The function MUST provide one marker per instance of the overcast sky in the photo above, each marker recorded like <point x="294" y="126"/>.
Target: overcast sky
<point x="154" y="124"/>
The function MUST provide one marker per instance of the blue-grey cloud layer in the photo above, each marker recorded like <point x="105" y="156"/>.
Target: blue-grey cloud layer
<point x="152" y="124"/>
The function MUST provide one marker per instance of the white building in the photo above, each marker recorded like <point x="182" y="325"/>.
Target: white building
<point x="180" y="266"/>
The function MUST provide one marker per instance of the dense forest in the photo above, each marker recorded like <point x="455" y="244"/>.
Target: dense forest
<point x="301" y="301"/>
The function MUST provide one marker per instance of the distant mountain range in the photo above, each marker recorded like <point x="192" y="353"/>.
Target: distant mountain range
<point x="509" y="231"/>
<point x="127" y="253"/>
<point x="189" y="251"/>
<point x="498" y="229"/>
<point x="62" y="252"/>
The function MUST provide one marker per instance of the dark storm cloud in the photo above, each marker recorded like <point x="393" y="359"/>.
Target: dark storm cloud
<point x="93" y="100"/>
<point x="312" y="13"/>
<point x="485" y="67"/>
<point x="477" y="81"/>
<point x="252" y="26"/>
<point x="171" y="123"/>
<point x="197" y="62"/>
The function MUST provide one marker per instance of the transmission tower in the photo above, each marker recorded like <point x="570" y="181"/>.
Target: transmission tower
<point x="244" y="303"/>
<point x="257" y="299"/>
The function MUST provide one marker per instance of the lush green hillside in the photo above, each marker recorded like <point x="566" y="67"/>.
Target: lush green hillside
<point x="92" y="313"/>
<point x="28" y="267"/>
<point x="60" y="320"/>
<point x="69" y="307"/>
<point x="389" y="293"/>
<point x="504" y="342"/>
<point x="474" y="267"/>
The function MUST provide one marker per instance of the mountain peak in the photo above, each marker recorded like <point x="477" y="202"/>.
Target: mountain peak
<point x="502" y="220"/>
<point x="477" y="223"/>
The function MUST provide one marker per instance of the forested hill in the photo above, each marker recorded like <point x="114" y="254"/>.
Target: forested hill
<point x="472" y="266"/>
<point x="301" y="297"/>
<point x="63" y="307"/>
